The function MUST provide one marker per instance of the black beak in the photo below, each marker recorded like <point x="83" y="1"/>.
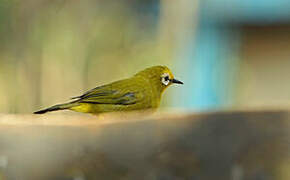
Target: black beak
<point x="176" y="81"/>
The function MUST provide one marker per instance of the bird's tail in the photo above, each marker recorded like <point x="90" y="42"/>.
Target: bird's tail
<point x="56" y="108"/>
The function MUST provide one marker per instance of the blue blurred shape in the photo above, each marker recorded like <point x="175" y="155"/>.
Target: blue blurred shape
<point x="210" y="60"/>
<point x="255" y="11"/>
<point x="210" y="68"/>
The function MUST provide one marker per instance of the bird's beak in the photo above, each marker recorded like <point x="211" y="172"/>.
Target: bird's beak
<point x="176" y="81"/>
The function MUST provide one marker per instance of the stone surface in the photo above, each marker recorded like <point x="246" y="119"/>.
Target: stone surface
<point x="236" y="145"/>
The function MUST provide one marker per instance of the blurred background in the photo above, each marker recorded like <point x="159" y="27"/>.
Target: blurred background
<point x="229" y="53"/>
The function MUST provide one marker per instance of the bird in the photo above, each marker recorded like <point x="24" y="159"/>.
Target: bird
<point x="142" y="91"/>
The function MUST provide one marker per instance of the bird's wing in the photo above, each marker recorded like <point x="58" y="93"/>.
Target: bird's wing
<point x="97" y="91"/>
<point x="110" y="94"/>
<point x="116" y="98"/>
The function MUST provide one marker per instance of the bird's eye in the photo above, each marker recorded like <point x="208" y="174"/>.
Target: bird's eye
<point x="165" y="79"/>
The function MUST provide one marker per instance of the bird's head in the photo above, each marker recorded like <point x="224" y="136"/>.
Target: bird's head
<point x="159" y="76"/>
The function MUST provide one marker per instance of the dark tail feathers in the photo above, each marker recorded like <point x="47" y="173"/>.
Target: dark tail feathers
<point x="55" y="108"/>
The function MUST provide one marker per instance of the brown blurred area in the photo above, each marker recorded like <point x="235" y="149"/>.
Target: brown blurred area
<point x="264" y="77"/>
<point x="237" y="145"/>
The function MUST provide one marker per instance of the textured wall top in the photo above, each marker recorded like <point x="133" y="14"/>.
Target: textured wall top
<point x="221" y="145"/>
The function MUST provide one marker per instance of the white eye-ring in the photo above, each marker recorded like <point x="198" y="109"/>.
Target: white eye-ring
<point x="165" y="79"/>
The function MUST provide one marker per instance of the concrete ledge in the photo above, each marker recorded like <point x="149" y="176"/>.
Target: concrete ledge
<point x="233" y="145"/>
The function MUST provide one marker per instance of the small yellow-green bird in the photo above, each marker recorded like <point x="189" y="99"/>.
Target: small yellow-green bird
<point x="140" y="92"/>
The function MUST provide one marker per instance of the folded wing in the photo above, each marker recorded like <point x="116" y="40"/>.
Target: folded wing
<point x="109" y="95"/>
